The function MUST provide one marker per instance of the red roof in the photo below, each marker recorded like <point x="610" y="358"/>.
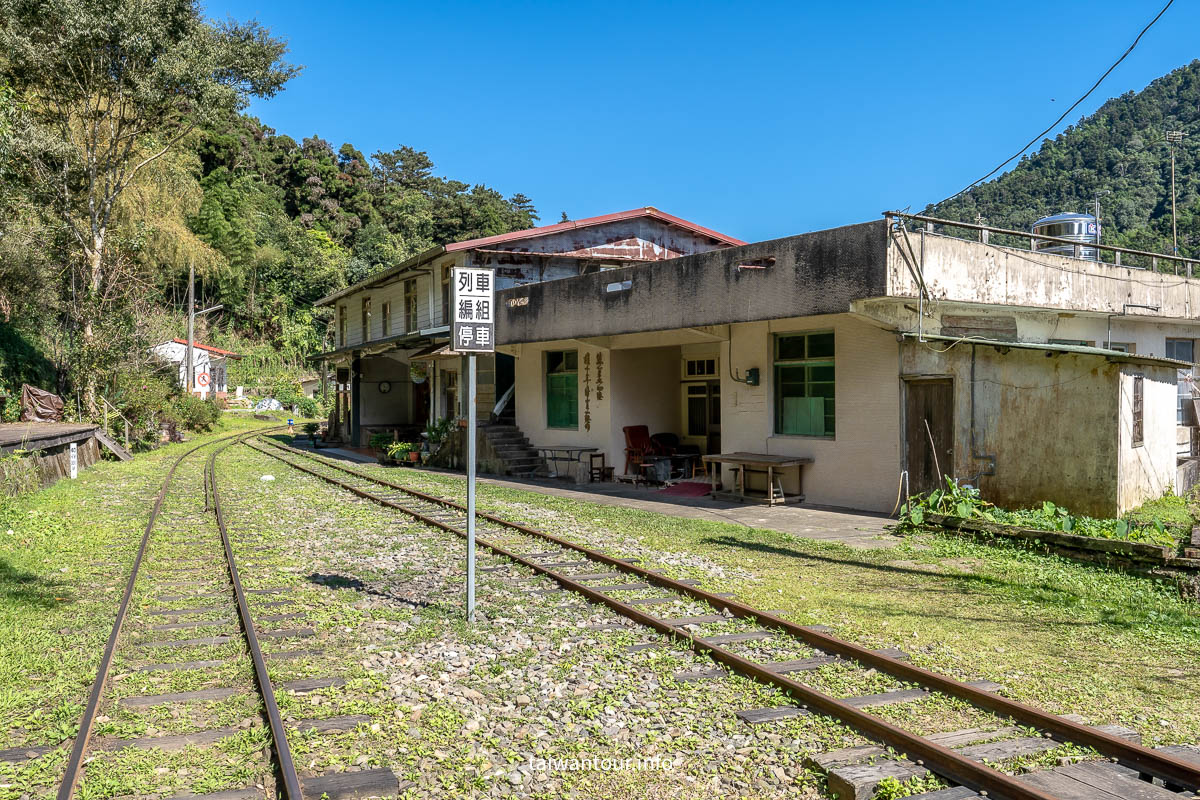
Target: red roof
<point x="209" y="348"/>
<point x="648" y="211"/>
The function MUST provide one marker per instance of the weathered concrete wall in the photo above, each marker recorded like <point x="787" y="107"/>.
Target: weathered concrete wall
<point x="1050" y="423"/>
<point x="394" y="407"/>
<point x="957" y="269"/>
<point x="814" y="273"/>
<point x="1146" y="471"/>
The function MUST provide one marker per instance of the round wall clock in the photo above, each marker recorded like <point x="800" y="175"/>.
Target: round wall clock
<point x="385" y="387"/>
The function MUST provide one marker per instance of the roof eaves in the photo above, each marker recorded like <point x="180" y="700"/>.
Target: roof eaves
<point x="383" y="276"/>
<point x="587" y="222"/>
<point x="1075" y="349"/>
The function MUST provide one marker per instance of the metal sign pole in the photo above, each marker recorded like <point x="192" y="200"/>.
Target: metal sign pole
<point x="473" y="331"/>
<point x="471" y="488"/>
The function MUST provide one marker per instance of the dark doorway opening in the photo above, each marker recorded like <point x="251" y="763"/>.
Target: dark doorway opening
<point x="928" y="432"/>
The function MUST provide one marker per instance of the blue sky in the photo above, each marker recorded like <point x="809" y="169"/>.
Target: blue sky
<point x="757" y="119"/>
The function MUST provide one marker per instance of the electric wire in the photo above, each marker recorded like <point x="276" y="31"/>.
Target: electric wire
<point x="1074" y="105"/>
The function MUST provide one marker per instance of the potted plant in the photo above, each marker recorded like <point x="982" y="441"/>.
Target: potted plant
<point x="312" y="428"/>
<point x="399" y="452"/>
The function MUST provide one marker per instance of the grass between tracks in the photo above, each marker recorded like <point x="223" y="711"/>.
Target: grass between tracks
<point x="1067" y="637"/>
<point x="65" y="554"/>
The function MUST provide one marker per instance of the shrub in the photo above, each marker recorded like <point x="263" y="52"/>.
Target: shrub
<point x="964" y="502"/>
<point x="308" y="407"/>
<point x="379" y="441"/>
<point x="195" y="414"/>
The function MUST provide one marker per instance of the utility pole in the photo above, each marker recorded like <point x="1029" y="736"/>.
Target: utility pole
<point x="1174" y="138"/>
<point x="191" y="301"/>
<point x="1096" y="213"/>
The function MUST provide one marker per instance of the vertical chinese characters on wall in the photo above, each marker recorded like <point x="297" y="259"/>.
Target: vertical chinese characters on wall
<point x="587" y="391"/>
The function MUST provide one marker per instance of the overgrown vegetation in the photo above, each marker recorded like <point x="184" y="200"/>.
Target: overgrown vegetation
<point x="1118" y="154"/>
<point x="965" y="502"/>
<point x="18" y="475"/>
<point x="94" y="254"/>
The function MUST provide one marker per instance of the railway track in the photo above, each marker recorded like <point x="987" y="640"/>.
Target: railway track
<point x="185" y="656"/>
<point x="957" y="757"/>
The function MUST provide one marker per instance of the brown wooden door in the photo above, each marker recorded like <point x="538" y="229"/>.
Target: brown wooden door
<point x="929" y="415"/>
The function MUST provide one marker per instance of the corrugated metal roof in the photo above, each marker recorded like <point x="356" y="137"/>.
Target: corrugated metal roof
<point x="528" y="233"/>
<point x="646" y="211"/>
<point x="1111" y="355"/>
<point x="209" y="348"/>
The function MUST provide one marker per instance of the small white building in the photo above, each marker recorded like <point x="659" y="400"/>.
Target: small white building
<point x="209" y="371"/>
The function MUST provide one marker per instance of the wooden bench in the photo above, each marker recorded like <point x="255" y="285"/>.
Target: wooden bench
<point x="757" y="463"/>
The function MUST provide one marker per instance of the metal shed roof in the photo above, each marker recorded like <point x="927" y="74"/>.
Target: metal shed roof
<point x="1081" y="350"/>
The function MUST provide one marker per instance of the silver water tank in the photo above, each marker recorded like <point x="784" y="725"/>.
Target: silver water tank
<point x="1082" y="228"/>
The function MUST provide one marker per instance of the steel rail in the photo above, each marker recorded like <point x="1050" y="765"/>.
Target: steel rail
<point x="66" y="789"/>
<point x="940" y="759"/>
<point x="1135" y="756"/>
<point x="283" y="752"/>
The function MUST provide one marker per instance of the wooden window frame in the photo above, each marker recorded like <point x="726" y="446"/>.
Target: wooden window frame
<point x="1138" y="428"/>
<point x="366" y="319"/>
<point x="343" y="324"/>
<point x="385" y="319"/>
<point x="778" y="364"/>
<point x="410" y="305"/>
<point x="550" y="391"/>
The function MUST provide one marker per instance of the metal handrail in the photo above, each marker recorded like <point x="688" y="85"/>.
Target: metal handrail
<point x="984" y="230"/>
<point x="503" y="401"/>
<point x="128" y="424"/>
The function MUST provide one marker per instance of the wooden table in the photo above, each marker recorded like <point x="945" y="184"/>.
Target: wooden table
<point x="554" y="454"/>
<point x="757" y="462"/>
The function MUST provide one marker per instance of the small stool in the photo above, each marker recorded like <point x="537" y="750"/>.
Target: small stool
<point x="597" y="470"/>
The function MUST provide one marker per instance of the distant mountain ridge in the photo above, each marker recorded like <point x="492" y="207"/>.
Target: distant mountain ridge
<point x="1120" y="152"/>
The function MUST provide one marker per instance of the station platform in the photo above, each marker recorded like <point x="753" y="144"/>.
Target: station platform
<point x="42" y="435"/>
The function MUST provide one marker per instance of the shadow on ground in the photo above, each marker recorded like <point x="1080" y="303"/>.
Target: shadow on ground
<point x="334" y="581"/>
<point x="30" y="589"/>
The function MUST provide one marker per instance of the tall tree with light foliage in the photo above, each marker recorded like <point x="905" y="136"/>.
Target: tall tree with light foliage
<point x="116" y="84"/>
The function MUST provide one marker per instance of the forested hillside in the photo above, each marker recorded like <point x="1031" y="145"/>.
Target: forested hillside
<point x="1119" y="153"/>
<point x="125" y="157"/>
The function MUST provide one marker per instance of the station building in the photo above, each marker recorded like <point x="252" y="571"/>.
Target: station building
<point x="391" y="361"/>
<point x="889" y="356"/>
<point x="210" y="370"/>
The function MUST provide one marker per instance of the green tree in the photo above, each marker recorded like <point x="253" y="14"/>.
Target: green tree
<point x="119" y="83"/>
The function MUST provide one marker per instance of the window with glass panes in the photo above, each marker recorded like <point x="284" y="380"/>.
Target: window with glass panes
<point x="562" y="389"/>
<point x="410" y="306"/>
<point x="1182" y="350"/>
<point x="385" y="321"/>
<point x="366" y="318"/>
<point x="804" y="385"/>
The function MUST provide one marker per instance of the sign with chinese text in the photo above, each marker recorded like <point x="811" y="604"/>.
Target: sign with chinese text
<point x="474" y="303"/>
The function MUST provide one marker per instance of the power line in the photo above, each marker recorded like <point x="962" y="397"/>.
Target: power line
<point x="1074" y="105"/>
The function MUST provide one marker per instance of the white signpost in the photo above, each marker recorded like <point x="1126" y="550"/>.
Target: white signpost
<point x="473" y="331"/>
<point x="74" y="460"/>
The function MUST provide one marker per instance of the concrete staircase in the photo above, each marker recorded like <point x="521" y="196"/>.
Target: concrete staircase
<point x="513" y="450"/>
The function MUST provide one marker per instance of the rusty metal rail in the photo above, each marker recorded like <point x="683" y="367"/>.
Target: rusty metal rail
<point x="940" y="760"/>
<point x="79" y="749"/>
<point x="283" y="752"/>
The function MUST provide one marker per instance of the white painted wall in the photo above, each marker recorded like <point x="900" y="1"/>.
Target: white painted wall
<point x="857" y="468"/>
<point x="644" y="391"/>
<point x="1146" y="471"/>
